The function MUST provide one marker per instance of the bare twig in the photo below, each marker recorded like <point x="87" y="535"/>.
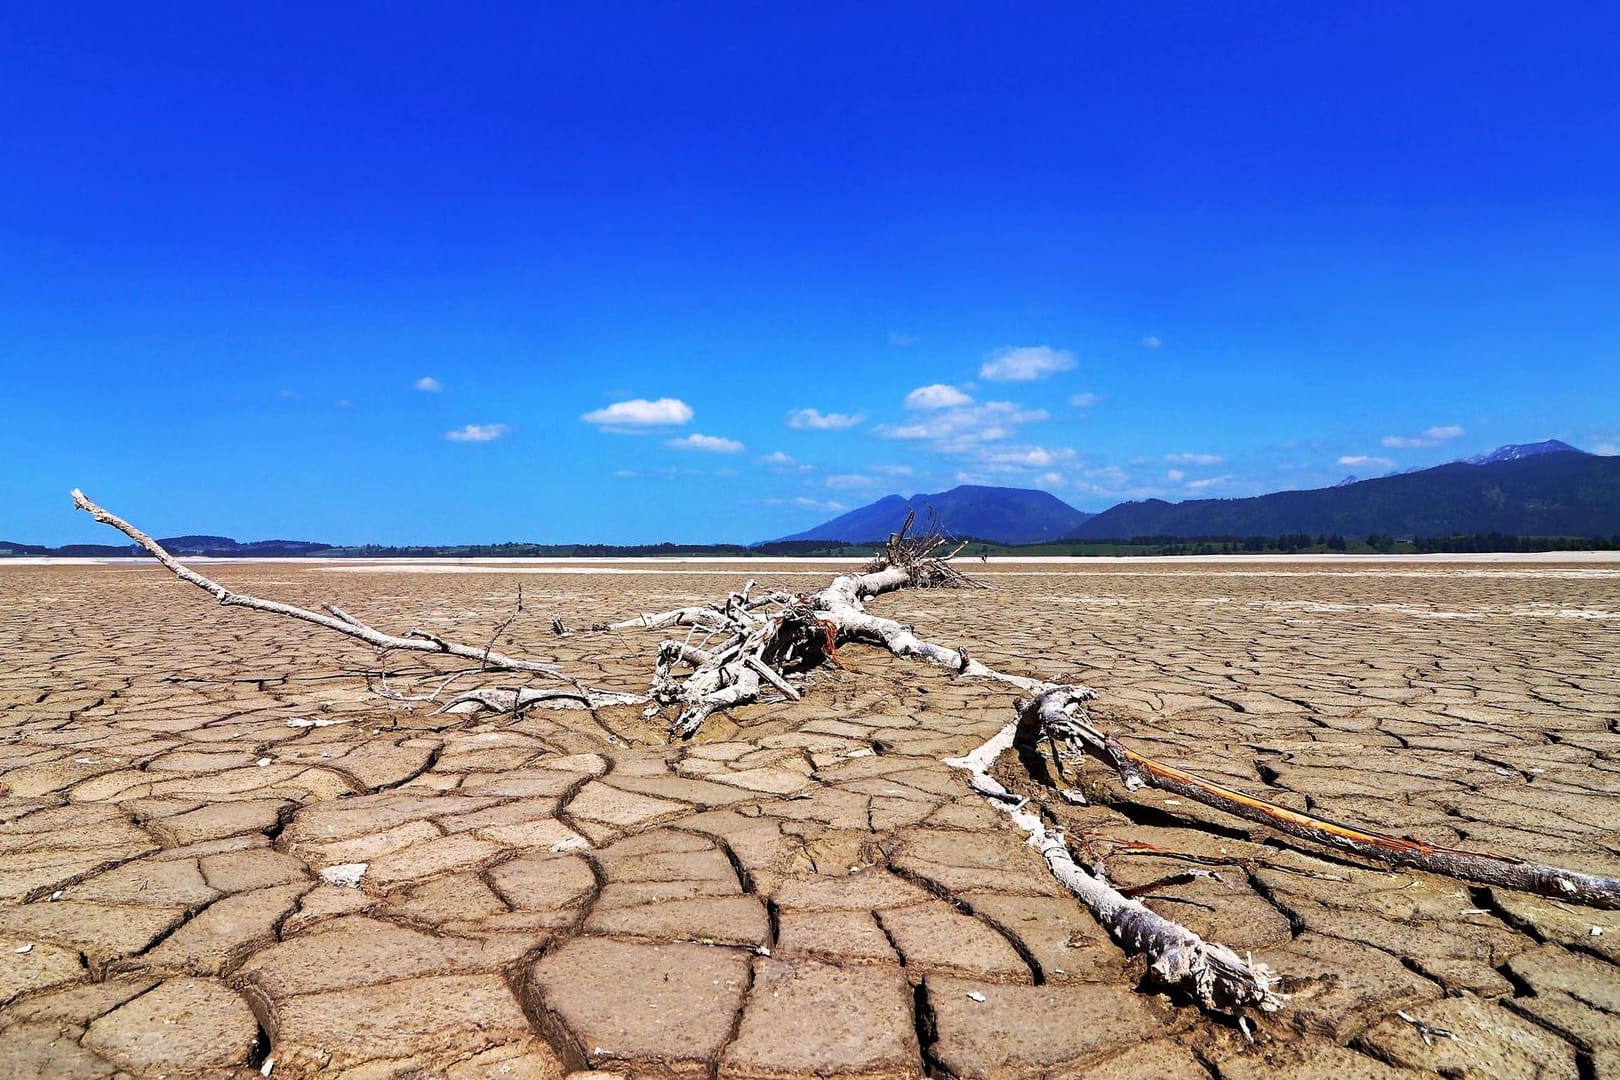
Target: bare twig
<point x="1428" y="1032"/>
<point x="1168" y="880"/>
<point x="505" y="623"/>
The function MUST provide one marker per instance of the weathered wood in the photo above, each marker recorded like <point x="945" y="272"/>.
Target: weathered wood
<point x="761" y="640"/>
<point x="340" y="621"/>
<point x="1057" y="714"/>
<point x="1213" y="975"/>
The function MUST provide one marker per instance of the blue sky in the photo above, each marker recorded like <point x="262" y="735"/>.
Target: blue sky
<point x="630" y="272"/>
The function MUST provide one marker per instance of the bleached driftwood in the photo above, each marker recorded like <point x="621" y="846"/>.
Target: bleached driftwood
<point x="841" y="603"/>
<point x="340" y="621"/>
<point x="1058" y="715"/>
<point x="764" y="640"/>
<point x="1213" y="975"/>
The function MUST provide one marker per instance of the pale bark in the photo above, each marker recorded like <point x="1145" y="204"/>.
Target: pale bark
<point x="1056" y="714"/>
<point x="841" y="603"/>
<point x="340" y="621"/>
<point x="1213" y="975"/>
<point x="769" y="637"/>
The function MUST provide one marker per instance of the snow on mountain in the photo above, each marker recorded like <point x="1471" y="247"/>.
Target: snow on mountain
<point x="1519" y="451"/>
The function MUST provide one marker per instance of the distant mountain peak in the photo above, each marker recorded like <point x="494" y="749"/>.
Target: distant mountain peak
<point x="1520" y="451"/>
<point x="1347" y="481"/>
<point x="1004" y="515"/>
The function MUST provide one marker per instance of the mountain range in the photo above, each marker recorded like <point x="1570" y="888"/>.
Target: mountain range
<point x="1520" y="451"/>
<point x="1532" y="489"/>
<point x="1556" y="493"/>
<point x="1545" y="489"/>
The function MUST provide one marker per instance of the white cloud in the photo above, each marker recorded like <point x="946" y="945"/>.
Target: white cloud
<point x="1363" y="461"/>
<point x="1194" y="459"/>
<point x="477" y="433"/>
<point x="808" y="504"/>
<point x="672" y="472"/>
<point x="936" y="396"/>
<point x="1011" y="458"/>
<point x="639" y="414"/>
<point x="1606" y="449"/>
<point x="1025" y="363"/>
<point x="1432" y="437"/>
<point x="849" y="481"/>
<point x="958" y="429"/>
<point x="1208" y="482"/>
<point x="713" y="444"/>
<point x="893" y="470"/>
<point x="1050" y="479"/>
<point x="428" y="384"/>
<point x="345" y="404"/>
<point x="1084" y="401"/>
<point x="784" y="463"/>
<point x="1175" y="476"/>
<point x="902" y="341"/>
<point x="813" y="420"/>
<point x="1151" y="342"/>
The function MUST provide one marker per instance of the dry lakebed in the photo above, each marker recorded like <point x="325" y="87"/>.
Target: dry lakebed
<point x="223" y="853"/>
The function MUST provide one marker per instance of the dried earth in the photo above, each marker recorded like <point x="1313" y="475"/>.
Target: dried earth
<point x="220" y="853"/>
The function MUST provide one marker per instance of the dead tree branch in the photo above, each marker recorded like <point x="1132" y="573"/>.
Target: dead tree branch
<point x="767" y="639"/>
<point x="1057" y="714"/>
<point x="340" y="621"/>
<point x="1213" y="975"/>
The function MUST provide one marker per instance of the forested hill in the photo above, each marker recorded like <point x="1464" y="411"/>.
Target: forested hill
<point x="1558" y="493"/>
<point x="190" y="545"/>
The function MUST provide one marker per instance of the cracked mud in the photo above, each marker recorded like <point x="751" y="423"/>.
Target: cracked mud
<point x="220" y="852"/>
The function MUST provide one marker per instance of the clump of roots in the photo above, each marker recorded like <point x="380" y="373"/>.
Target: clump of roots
<point x="926" y="556"/>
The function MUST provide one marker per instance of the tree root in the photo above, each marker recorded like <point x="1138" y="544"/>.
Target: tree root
<point x="749" y="643"/>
